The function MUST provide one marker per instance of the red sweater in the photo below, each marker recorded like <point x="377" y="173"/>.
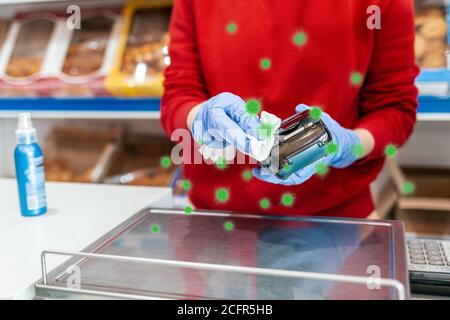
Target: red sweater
<point x="218" y="46"/>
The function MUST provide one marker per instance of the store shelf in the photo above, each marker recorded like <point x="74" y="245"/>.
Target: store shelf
<point x="97" y="108"/>
<point x="434" y="108"/>
<point x="430" y="108"/>
<point x="437" y="75"/>
<point x="26" y="2"/>
<point x="434" y="82"/>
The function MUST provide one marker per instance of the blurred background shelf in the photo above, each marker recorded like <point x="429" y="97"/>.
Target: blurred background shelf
<point x="85" y="108"/>
<point x="431" y="108"/>
<point x="434" y="82"/>
<point x="27" y="2"/>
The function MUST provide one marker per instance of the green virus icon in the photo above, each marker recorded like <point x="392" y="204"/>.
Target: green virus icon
<point x="322" y="169"/>
<point x="247" y="175"/>
<point x="390" y="150"/>
<point x="265" y="64"/>
<point x="408" y="188"/>
<point x="358" y="150"/>
<point x="266" y="130"/>
<point x="253" y="107"/>
<point x="188" y="210"/>
<point x="331" y="148"/>
<point x="264" y="203"/>
<point x="221" y="163"/>
<point x="300" y="38"/>
<point x="186" y="185"/>
<point x="315" y="113"/>
<point x="287" y="199"/>
<point x="155" y="228"/>
<point x="222" y="195"/>
<point x="356" y="78"/>
<point x="228" y="226"/>
<point x="166" y="162"/>
<point x="231" y="28"/>
<point x="287" y="167"/>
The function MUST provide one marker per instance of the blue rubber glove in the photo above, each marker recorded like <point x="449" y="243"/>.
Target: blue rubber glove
<point x="223" y="121"/>
<point x="346" y="142"/>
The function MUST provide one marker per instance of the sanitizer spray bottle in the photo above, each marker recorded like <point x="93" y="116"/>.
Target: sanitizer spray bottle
<point x="29" y="169"/>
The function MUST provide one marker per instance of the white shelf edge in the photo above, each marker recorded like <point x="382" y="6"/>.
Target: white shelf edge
<point x="25" y="2"/>
<point x="433" y="116"/>
<point x="143" y="115"/>
<point x="125" y="115"/>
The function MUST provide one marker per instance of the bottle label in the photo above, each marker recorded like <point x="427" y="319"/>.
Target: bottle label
<point x="35" y="185"/>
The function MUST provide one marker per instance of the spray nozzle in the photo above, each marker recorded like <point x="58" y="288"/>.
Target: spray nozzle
<point x="25" y="131"/>
<point x="24" y="122"/>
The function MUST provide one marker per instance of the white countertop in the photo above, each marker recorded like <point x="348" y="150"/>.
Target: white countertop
<point x="78" y="215"/>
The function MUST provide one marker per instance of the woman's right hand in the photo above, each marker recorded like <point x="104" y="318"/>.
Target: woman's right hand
<point x="223" y="121"/>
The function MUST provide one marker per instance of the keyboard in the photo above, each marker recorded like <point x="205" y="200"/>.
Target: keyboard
<point x="429" y="256"/>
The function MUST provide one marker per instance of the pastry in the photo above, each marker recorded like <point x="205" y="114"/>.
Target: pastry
<point x="420" y="47"/>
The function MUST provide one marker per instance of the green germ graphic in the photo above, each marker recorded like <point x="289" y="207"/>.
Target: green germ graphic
<point x="356" y="78"/>
<point x="408" y="188"/>
<point x="331" y="148"/>
<point x="322" y="169"/>
<point x="266" y="130"/>
<point x="265" y="63"/>
<point x="390" y="150"/>
<point x="221" y="163"/>
<point x="155" y="228"/>
<point x="222" y="195"/>
<point x="358" y="150"/>
<point x="231" y="28"/>
<point x="166" y="162"/>
<point x="287" y="199"/>
<point x="253" y="107"/>
<point x="228" y="226"/>
<point x="315" y="113"/>
<point x="287" y="167"/>
<point x="247" y="175"/>
<point x="188" y="210"/>
<point x="186" y="185"/>
<point x="300" y="38"/>
<point x="264" y="203"/>
<point x="200" y="141"/>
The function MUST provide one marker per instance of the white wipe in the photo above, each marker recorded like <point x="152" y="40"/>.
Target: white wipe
<point x="228" y="153"/>
<point x="260" y="148"/>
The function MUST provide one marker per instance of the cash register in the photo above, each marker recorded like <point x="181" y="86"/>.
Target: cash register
<point x="429" y="265"/>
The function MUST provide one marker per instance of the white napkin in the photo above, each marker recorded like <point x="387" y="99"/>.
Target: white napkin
<point x="260" y="146"/>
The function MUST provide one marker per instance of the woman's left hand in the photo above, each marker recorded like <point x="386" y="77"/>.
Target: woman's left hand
<point x="346" y="148"/>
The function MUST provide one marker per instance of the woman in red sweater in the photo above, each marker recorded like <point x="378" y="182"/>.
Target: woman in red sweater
<point x="285" y="53"/>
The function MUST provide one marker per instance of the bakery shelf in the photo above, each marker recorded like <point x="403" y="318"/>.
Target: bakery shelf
<point x="434" y="82"/>
<point x="431" y="108"/>
<point x="84" y="108"/>
<point x="26" y="2"/>
<point x="438" y="75"/>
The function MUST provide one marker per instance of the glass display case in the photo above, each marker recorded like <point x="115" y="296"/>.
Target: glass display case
<point x="86" y="52"/>
<point x="168" y="253"/>
<point x="143" y="50"/>
<point x="4" y="26"/>
<point x="27" y="57"/>
<point x="431" y="34"/>
<point x="147" y="43"/>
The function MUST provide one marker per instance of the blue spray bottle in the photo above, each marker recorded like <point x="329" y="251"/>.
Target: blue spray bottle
<point x="29" y="169"/>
